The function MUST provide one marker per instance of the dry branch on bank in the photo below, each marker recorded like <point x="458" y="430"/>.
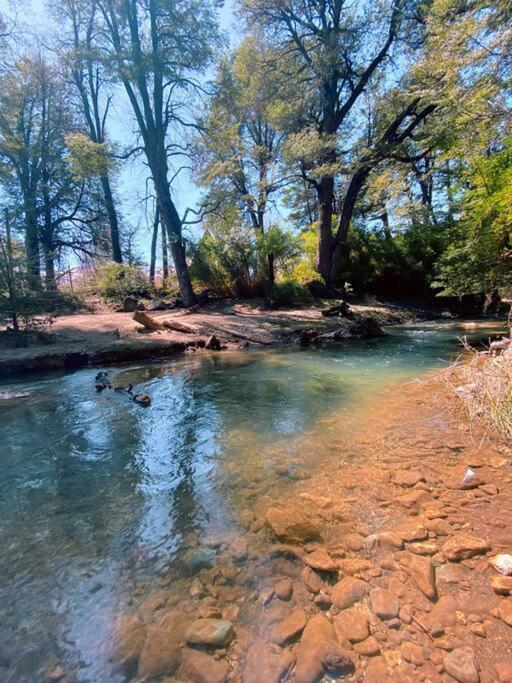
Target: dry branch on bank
<point x="483" y="386"/>
<point x="151" y="323"/>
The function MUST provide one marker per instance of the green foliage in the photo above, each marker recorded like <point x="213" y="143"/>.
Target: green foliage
<point x="479" y="256"/>
<point x="87" y="158"/>
<point x="289" y="293"/>
<point x="114" y="281"/>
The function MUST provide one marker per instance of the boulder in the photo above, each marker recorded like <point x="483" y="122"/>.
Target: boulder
<point x="200" y="667"/>
<point x="131" y="304"/>
<point x="156" y="304"/>
<point x="384" y="604"/>
<point x="352" y="624"/>
<point x="462" y="478"/>
<point x="161" y="654"/>
<point x="348" y="591"/>
<point x="289" y="628"/>
<point x="213" y="632"/>
<point x="311" y="580"/>
<point x="291" y="526"/>
<point x="319" y="653"/>
<point x="321" y="560"/>
<point x="283" y="589"/>
<point x="263" y="663"/>
<point x="423" y="574"/>
<point x="129" y="637"/>
<point x="464" y="546"/>
<point x="460" y="664"/>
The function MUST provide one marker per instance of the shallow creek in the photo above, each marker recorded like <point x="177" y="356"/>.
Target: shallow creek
<point x="107" y="507"/>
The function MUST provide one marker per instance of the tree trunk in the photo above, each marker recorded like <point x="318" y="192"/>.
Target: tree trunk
<point x="154" y="238"/>
<point x="49" y="267"/>
<point x="165" y="258"/>
<point x="32" y="246"/>
<point x="271" y="277"/>
<point x="325" y="200"/>
<point x="172" y="224"/>
<point x="349" y="202"/>
<point x="112" y="219"/>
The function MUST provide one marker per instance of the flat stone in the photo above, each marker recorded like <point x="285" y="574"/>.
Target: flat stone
<point x="283" y="589"/>
<point x="264" y="664"/>
<point x="423" y="574"/>
<point x="460" y="664"/>
<point x="368" y="648"/>
<point x="384" y="604"/>
<point x="407" y="478"/>
<point x="214" y="632"/>
<point x="411" y="530"/>
<point x="311" y="580"/>
<point x="321" y="560"/>
<point x="502" y="585"/>
<point x="129" y="637"/>
<point x="348" y="591"/>
<point x="291" y="526"/>
<point x="319" y="653"/>
<point x="439" y="527"/>
<point x="354" y="565"/>
<point x="352" y="624"/>
<point x="464" y="546"/>
<point x="425" y="548"/>
<point x="390" y="541"/>
<point x="203" y="668"/>
<point x="490" y="489"/>
<point x="289" y="628"/>
<point x="161" y="653"/>
<point x="413" y="653"/>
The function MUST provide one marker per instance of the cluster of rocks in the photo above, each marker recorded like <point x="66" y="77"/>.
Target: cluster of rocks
<point x="410" y="581"/>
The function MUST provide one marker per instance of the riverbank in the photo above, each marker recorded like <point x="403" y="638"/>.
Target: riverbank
<point x="109" y="338"/>
<point x="389" y="561"/>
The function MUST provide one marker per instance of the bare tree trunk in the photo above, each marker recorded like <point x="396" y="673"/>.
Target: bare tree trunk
<point x="32" y="245"/>
<point x="271" y="277"/>
<point x="165" y="258"/>
<point x="154" y="238"/>
<point x="49" y="266"/>
<point x="112" y="219"/>
<point x="325" y="201"/>
<point x="6" y="254"/>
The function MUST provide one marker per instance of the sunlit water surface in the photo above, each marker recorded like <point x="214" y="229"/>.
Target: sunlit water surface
<point x="99" y="497"/>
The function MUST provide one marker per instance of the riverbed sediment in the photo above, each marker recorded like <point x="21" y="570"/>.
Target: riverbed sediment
<point x="390" y="561"/>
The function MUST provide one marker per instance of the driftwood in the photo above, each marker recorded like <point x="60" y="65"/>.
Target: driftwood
<point x="239" y="335"/>
<point x="341" y="310"/>
<point x="152" y="324"/>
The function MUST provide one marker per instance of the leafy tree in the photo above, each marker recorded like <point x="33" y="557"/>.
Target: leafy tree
<point x="157" y="49"/>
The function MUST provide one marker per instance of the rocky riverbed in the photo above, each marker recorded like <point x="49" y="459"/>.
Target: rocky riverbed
<point x="390" y="560"/>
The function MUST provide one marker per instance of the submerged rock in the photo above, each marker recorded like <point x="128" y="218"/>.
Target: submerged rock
<point x="384" y="604"/>
<point x="129" y="637"/>
<point x="203" y="668"/>
<point x="214" y="632"/>
<point x="319" y="653"/>
<point x="289" y="628"/>
<point x="161" y="653"/>
<point x="291" y="526"/>
<point x="321" y="560"/>
<point x="348" y="591"/>
<point x="263" y="663"/>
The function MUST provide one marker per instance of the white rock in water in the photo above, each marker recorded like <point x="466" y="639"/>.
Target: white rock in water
<point x="469" y="476"/>
<point x="502" y="563"/>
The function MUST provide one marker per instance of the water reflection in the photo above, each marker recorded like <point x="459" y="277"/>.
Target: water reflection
<point x="98" y="496"/>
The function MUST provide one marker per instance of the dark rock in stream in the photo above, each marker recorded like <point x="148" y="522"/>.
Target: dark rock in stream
<point x="197" y="559"/>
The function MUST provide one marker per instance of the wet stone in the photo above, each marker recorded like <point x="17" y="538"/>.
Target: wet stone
<point x="283" y="589"/>
<point x="289" y="628"/>
<point x="264" y="664"/>
<point x="460" y="664"/>
<point x="353" y="625"/>
<point x="203" y="668"/>
<point x="368" y="648"/>
<point x="348" y="591"/>
<point x="321" y="560"/>
<point x="384" y="604"/>
<point x="291" y="526"/>
<point x="214" y="632"/>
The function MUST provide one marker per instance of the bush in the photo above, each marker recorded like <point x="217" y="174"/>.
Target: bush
<point x="114" y="281"/>
<point x="290" y="293"/>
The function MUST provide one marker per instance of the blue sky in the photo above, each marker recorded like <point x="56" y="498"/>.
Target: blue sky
<point x="131" y="184"/>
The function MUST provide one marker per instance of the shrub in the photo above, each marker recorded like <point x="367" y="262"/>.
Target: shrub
<point x="290" y="293"/>
<point x="114" y="281"/>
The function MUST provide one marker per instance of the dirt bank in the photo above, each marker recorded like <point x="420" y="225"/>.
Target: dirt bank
<point x="107" y="338"/>
<point x="376" y="566"/>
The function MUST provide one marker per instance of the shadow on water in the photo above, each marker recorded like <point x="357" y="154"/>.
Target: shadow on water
<point x="99" y="497"/>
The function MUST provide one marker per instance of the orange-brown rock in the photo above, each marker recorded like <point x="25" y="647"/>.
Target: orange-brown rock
<point x="460" y="664"/>
<point x="423" y="574"/>
<point x="384" y="604"/>
<point x="291" y="526"/>
<point x="321" y="560"/>
<point x="348" y="591"/>
<point x="318" y="652"/>
<point x="160" y="654"/>
<point x="129" y="637"/>
<point x="464" y="546"/>
<point x="200" y="667"/>
<point x="289" y="628"/>
<point x="263" y="663"/>
<point x="352" y="624"/>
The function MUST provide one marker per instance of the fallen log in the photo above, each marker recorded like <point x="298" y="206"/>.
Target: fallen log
<point x="239" y="335"/>
<point x="151" y="324"/>
<point x="146" y="320"/>
<point x="179" y="327"/>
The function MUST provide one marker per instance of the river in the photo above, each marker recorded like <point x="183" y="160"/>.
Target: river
<point x="101" y="499"/>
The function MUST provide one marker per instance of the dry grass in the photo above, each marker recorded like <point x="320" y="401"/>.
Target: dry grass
<point x="482" y="384"/>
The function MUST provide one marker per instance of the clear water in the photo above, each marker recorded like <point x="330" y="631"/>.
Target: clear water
<point x="99" y="497"/>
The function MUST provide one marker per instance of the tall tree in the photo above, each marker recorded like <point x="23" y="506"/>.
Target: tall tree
<point x="336" y="48"/>
<point x="85" y="69"/>
<point x="157" y="49"/>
